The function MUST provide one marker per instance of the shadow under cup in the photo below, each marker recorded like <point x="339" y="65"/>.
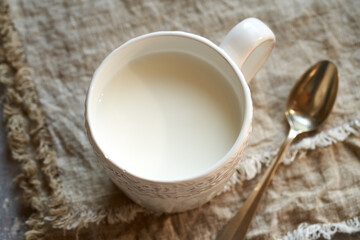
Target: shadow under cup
<point x="168" y="115"/>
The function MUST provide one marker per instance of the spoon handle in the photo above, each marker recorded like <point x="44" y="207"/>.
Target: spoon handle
<point x="237" y="227"/>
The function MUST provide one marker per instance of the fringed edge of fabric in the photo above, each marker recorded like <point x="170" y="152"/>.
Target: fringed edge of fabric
<point x="325" y="231"/>
<point x="27" y="135"/>
<point x="81" y="218"/>
<point x="249" y="167"/>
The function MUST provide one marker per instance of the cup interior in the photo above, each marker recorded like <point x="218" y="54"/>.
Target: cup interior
<point x="157" y="43"/>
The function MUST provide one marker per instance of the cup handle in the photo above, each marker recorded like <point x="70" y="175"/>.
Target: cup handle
<point x="249" y="44"/>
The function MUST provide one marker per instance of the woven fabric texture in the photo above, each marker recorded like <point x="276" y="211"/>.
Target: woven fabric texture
<point x="49" y="51"/>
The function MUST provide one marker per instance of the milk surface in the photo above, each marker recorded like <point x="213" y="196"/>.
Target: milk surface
<point x="167" y="116"/>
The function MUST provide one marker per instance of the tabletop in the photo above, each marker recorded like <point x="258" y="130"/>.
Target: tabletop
<point x="13" y="213"/>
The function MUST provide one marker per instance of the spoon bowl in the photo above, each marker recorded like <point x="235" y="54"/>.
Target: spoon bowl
<point x="308" y="105"/>
<point x="311" y="99"/>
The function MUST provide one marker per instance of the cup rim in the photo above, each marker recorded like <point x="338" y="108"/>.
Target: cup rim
<point x="247" y="116"/>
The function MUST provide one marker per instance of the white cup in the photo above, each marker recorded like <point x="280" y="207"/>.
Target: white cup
<point x="241" y="54"/>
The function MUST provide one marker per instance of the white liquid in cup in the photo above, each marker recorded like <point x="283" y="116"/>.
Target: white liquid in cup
<point x="167" y="116"/>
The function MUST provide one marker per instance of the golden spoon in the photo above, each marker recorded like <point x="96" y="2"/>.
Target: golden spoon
<point x="308" y="105"/>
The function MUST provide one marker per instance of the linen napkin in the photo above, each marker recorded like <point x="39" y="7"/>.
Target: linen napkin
<point x="50" y="51"/>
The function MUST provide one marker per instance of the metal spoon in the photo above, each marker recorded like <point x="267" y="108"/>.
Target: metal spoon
<point x="308" y="105"/>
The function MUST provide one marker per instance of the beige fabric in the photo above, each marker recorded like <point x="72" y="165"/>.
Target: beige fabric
<point x="64" y="42"/>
